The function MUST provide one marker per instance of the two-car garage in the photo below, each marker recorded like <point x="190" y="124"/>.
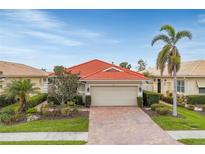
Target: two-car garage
<point x="114" y="95"/>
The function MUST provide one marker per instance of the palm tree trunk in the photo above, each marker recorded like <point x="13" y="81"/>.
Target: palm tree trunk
<point x="175" y="93"/>
<point x="22" y="105"/>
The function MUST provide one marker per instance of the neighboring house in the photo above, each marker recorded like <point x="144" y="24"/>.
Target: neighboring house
<point x="108" y="84"/>
<point x="13" y="71"/>
<point x="190" y="79"/>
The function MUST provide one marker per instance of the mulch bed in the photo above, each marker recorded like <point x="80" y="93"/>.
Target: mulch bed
<point x="74" y="115"/>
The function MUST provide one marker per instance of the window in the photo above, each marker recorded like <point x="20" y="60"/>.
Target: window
<point x="180" y="86"/>
<point x="202" y="90"/>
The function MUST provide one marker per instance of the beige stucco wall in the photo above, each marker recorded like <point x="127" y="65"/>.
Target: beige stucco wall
<point x="38" y="81"/>
<point x="191" y="87"/>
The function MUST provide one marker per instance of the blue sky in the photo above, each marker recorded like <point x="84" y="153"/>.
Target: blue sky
<point x="45" y="38"/>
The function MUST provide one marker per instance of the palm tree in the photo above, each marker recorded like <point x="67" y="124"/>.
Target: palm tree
<point x="170" y="55"/>
<point x="125" y="65"/>
<point x="20" y="89"/>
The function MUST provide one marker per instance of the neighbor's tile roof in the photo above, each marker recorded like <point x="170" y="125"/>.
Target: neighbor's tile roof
<point x="189" y="68"/>
<point x="10" y="69"/>
<point x="94" y="70"/>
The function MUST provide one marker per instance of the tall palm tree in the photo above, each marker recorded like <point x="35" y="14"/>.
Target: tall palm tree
<point x="20" y="89"/>
<point x="170" y="55"/>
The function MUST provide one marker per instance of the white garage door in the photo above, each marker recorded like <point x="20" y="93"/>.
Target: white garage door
<point x="114" y="96"/>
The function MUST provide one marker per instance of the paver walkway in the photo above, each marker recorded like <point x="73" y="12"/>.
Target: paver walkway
<point x="185" y="134"/>
<point x="46" y="136"/>
<point x="124" y="125"/>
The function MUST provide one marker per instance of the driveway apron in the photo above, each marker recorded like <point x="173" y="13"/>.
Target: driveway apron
<point x="124" y="126"/>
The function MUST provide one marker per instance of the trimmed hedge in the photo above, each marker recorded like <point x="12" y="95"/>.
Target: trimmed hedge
<point x="167" y="99"/>
<point x="195" y="99"/>
<point x="35" y="100"/>
<point x="87" y="100"/>
<point x="139" y="101"/>
<point x="154" y="106"/>
<point x="150" y="98"/>
<point x="162" y="110"/>
<point x="78" y="99"/>
<point x="6" y="101"/>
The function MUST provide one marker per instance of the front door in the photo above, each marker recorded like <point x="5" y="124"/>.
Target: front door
<point x="159" y="85"/>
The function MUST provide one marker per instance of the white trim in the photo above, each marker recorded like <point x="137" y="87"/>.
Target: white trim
<point x="113" y="68"/>
<point x="114" y="85"/>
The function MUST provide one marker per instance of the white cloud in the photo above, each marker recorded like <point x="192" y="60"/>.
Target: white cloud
<point x="53" y="38"/>
<point x="35" y="17"/>
<point x="14" y="50"/>
<point x="201" y="18"/>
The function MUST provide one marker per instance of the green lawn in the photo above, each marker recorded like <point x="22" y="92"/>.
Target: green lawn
<point x="190" y="121"/>
<point x="43" y="143"/>
<point x="79" y="124"/>
<point x="193" y="141"/>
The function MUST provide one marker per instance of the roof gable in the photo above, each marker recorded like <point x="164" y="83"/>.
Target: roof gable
<point x="188" y="68"/>
<point x="10" y="69"/>
<point x="100" y="70"/>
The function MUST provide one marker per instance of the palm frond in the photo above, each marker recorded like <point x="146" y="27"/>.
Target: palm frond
<point x="183" y="34"/>
<point x="174" y="60"/>
<point x="170" y="31"/>
<point x="163" y="57"/>
<point x="161" y="37"/>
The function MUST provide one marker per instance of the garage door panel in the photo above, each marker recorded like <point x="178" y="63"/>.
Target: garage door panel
<point x="113" y="96"/>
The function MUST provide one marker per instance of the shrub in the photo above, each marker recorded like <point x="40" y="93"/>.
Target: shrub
<point x="78" y="99"/>
<point x="203" y="107"/>
<point x="140" y="101"/>
<point x="7" y="115"/>
<point x="195" y="99"/>
<point x="6" y="118"/>
<point x="191" y="107"/>
<point x="65" y="111"/>
<point x="6" y="101"/>
<point x="162" y="110"/>
<point x="71" y="103"/>
<point x="31" y="111"/>
<point x="52" y="100"/>
<point x="150" y="98"/>
<point x="156" y="105"/>
<point x="167" y="99"/>
<point x="87" y="100"/>
<point x="44" y="110"/>
<point x="35" y="100"/>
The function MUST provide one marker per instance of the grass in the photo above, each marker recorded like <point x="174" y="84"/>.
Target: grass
<point x="79" y="124"/>
<point x="193" y="141"/>
<point x="190" y="120"/>
<point x="43" y="142"/>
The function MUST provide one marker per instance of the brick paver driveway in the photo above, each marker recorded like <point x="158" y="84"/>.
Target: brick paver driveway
<point x="124" y="125"/>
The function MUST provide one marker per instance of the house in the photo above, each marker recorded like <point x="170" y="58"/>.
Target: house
<point x="108" y="84"/>
<point x="14" y="71"/>
<point x="190" y="79"/>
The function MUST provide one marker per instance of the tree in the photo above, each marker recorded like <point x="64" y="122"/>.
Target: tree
<point x="58" y="70"/>
<point x="20" y="89"/>
<point x="170" y="55"/>
<point x="141" y="65"/>
<point x="43" y="69"/>
<point x="125" y="65"/>
<point x="64" y="85"/>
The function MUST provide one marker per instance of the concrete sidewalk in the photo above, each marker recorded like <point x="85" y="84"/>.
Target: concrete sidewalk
<point x="186" y="134"/>
<point x="46" y="136"/>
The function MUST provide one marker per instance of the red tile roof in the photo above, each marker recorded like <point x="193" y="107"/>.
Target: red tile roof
<point x="94" y="70"/>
